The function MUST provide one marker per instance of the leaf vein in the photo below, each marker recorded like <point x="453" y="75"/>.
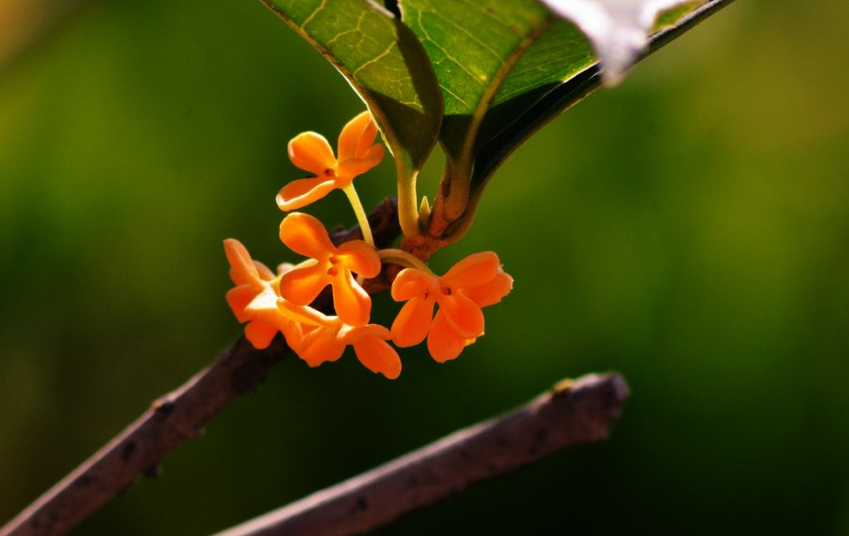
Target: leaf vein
<point x="375" y="59"/>
<point x="312" y="15"/>
<point x="447" y="55"/>
<point x="447" y="90"/>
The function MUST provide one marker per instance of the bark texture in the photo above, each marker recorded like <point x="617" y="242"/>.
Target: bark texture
<point x="173" y="420"/>
<point x="578" y="411"/>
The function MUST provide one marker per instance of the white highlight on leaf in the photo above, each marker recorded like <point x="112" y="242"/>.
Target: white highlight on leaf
<point x="617" y="29"/>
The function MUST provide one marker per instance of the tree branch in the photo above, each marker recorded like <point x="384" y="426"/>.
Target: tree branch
<point x="573" y="412"/>
<point x="172" y="421"/>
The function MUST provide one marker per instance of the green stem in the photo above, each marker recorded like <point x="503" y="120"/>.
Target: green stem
<point x="408" y="213"/>
<point x="459" y="177"/>
<point x="362" y="217"/>
<point x="403" y="258"/>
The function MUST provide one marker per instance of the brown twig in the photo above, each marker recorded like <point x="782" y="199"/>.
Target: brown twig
<point x="573" y="412"/>
<point x="172" y="421"/>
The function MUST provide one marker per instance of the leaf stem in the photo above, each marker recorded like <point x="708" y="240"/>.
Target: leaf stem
<point x="408" y="214"/>
<point x="459" y="177"/>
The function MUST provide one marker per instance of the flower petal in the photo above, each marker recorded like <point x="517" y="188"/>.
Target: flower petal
<point x="320" y="345"/>
<point x="293" y="332"/>
<point x="311" y="152"/>
<point x="366" y="141"/>
<point x="264" y="271"/>
<point x="300" y="193"/>
<point x="305" y="315"/>
<point x="242" y="268"/>
<point x="378" y="357"/>
<point x="305" y="235"/>
<point x="352" y="303"/>
<point x="303" y="285"/>
<point x="411" y="283"/>
<point x="353" y="334"/>
<point x="260" y="334"/>
<point x="353" y="167"/>
<point x="360" y="258"/>
<point x="353" y="133"/>
<point x="264" y="307"/>
<point x="412" y="323"/>
<point x="473" y="271"/>
<point x="238" y="299"/>
<point x="492" y="292"/>
<point x="464" y="315"/>
<point x="284" y="267"/>
<point x="443" y="342"/>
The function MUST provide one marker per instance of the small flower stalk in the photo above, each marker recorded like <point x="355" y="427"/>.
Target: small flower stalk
<point x="446" y="311"/>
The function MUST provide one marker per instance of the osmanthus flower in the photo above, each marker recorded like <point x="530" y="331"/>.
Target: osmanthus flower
<point x="255" y="299"/>
<point x="311" y="152"/>
<point x="475" y="282"/>
<point x="325" y="338"/>
<point x="333" y="266"/>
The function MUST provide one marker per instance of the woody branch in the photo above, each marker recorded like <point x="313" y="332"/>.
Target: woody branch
<point x="172" y="421"/>
<point x="578" y="411"/>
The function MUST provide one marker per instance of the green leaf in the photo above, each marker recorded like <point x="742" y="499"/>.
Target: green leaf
<point x="473" y="45"/>
<point x="542" y="103"/>
<point x="508" y="67"/>
<point x="670" y="17"/>
<point x="618" y="29"/>
<point x="387" y="66"/>
<point x="559" y="54"/>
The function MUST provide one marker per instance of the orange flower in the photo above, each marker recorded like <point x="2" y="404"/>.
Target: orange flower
<point x="335" y="266"/>
<point x="311" y="152"/>
<point x="474" y="282"/>
<point x="254" y="299"/>
<point x="326" y="337"/>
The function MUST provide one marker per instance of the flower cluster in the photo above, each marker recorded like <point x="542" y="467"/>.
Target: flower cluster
<point x="272" y="302"/>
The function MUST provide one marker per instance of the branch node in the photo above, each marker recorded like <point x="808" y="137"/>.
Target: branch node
<point x="162" y="408"/>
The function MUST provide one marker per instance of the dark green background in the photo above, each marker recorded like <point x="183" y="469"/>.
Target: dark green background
<point x="689" y="229"/>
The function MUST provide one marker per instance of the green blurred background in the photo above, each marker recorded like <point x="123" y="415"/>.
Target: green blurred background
<point x="689" y="229"/>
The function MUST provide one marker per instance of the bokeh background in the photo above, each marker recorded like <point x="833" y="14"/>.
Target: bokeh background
<point x="689" y="229"/>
